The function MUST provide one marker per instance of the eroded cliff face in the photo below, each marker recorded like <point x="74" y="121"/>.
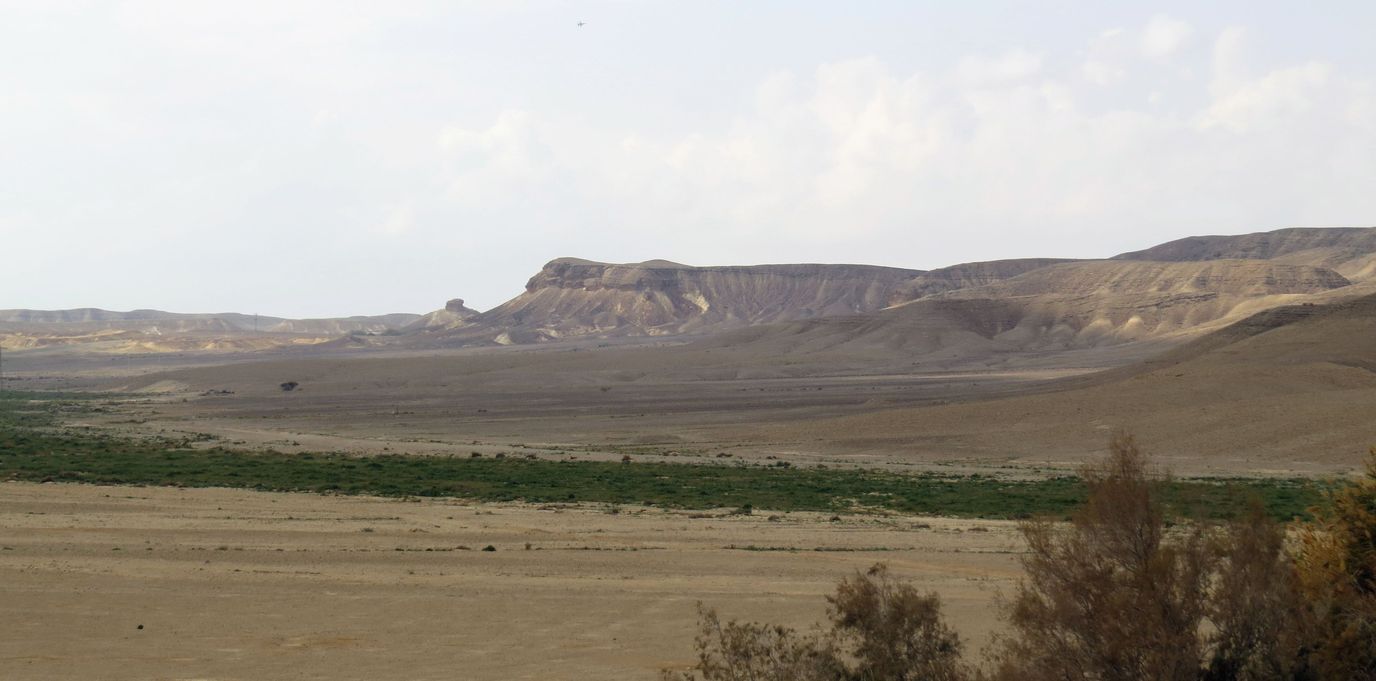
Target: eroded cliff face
<point x="569" y="297"/>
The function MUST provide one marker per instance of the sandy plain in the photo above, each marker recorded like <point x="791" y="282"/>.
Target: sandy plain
<point x="238" y="585"/>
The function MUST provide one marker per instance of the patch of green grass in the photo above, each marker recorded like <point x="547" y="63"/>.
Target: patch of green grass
<point x="34" y="447"/>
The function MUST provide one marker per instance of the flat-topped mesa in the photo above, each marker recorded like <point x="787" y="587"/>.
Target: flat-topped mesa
<point x="576" y="273"/>
<point x="574" y="297"/>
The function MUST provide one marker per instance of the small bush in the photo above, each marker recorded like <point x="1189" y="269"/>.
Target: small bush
<point x="1336" y="564"/>
<point x="881" y="629"/>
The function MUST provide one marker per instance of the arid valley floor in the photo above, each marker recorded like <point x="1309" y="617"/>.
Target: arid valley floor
<point x="1250" y="368"/>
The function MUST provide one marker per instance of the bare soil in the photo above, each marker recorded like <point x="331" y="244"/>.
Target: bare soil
<point x="231" y="584"/>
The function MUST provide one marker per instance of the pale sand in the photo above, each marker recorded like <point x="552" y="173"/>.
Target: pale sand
<point x="235" y="584"/>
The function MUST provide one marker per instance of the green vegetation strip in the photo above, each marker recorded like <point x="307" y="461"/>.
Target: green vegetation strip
<point x="33" y="448"/>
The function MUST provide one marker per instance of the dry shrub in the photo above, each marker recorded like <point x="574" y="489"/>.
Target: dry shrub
<point x="737" y="651"/>
<point x="1256" y="610"/>
<point x="1116" y="595"/>
<point x="1110" y="597"/>
<point x="891" y="631"/>
<point x="881" y="630"/>
<point x="1337" y="575"/>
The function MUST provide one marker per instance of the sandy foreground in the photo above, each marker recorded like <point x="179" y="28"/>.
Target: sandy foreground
<point x="232" y="584"/>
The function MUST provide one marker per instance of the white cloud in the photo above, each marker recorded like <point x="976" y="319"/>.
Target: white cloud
<point x="1102" y="72"/>
<point x="400" y="221"/>
<point x="859" y="154"/>
<point x="1106" y="57"/>
<point x="496" y="163"/>
<point x="1267" y="102"/>
<point x="1163" y="36"/>
<point x="1010" y="66"/>
<point x="1229" y="60"/>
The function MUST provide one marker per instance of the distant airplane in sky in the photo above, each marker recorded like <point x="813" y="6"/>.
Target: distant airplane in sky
<point x="581" y="24"/>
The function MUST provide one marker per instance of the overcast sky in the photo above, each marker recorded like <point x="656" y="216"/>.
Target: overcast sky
<point x="331" y="158"/>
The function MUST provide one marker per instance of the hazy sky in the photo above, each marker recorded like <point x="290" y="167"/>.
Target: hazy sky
<point x="330" y="158"/>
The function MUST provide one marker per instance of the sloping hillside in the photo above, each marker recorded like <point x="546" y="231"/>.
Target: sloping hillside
<point x="1351" y="251"/>
<point x="967" y="275"/>
<point x="1224" y="277"/>
<point x="1292" y="388"/>
<point x="1059" y="307"/>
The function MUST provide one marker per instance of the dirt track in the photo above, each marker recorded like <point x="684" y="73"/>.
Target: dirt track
<point x="232" y="584"/>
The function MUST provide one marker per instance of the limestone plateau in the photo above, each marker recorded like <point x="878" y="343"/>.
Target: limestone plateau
<point x="1169" y="292"/>
<point x="1184" y="287"/>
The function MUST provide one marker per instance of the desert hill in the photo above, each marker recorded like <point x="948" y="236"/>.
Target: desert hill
<point x="571" y="298"/>
<point x="1172" y="291"/>
<point x="93" y="318"/>
<point x="1351" y="251"/>
<point x="1291" y="388"/>
<point x="1222" y="277"/>
<point x="158" y="331"/>
<point x="1093" y="303"/>
<point x="968" y="275"/>
<point x="1169" y="293"/>
<point x="1057" y="307"/>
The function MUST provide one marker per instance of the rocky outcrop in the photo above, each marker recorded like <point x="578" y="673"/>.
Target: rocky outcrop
<point x="454" y="315"/>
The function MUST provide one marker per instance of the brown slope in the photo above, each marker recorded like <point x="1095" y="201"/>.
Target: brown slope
<point x="968" y="275"/>
<point x="1107" y="277"/>
<point x="937" y="331"/>
<point x="1074" y="306"/>
<point x="571" y="298"/>
<point x="1351" y="251"/>
<point x="1094" y="303"/>
<point x="1292" y="389"/>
